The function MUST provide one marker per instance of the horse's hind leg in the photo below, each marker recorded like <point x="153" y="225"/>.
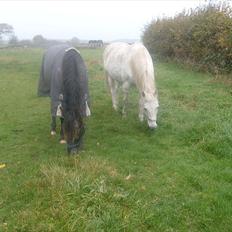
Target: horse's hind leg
<point x="125" y="89"/>
<point x="141" y="109"/>
<point x="53" y="125"/>
<point x="62" y="140"/>
<point x="114" y="92"/>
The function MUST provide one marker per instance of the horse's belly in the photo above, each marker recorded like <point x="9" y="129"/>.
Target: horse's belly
<point x="119" y="73"/>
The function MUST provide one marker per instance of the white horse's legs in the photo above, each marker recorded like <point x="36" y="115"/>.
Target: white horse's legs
<point x="141" y="109"/>
<point x="113" y="88"/>
<point x="125" y="89"/>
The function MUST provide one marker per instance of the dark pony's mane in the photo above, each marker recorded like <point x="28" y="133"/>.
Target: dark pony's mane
<point x="72" y="95"/>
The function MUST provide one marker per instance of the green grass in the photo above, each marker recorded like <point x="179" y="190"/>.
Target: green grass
<point x="127" y="178"/>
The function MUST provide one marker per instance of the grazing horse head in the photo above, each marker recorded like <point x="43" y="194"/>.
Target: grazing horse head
<point x="74" y="130"/>
<point x="150" y="104"/>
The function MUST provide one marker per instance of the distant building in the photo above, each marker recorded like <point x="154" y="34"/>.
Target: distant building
<point x="95" y="43"/>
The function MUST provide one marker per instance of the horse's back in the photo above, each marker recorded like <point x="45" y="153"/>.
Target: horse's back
<point x="115" y="51"/>
<point x="116" y="61"/>
<point x="52" y="76"/>
<point x="125" y="62"/>
<point x="50" y="68"/>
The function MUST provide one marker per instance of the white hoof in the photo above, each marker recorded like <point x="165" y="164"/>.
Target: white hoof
<point x="115" y="107"/>
<point x="53" y="133"/>
<point x="124" y="115"/>
<point x="141" y="118"/>
<point x="62" y="141"/>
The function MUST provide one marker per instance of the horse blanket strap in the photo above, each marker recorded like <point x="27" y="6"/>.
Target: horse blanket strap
<point x="59" y="111"/>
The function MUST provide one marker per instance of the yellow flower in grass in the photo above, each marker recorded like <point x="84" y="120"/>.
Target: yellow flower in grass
<point x="2" y="166"/>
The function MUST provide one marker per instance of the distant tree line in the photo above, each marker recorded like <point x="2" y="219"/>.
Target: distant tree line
<point x="201" y="37"/>
<point x="40" y="41"/>
<point x="8" y="38"/>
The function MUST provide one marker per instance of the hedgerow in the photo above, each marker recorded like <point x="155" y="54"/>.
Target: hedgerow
<point x="201" y="37"/>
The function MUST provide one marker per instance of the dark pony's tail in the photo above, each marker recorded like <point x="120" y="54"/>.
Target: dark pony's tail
<point x="72" y="94"/>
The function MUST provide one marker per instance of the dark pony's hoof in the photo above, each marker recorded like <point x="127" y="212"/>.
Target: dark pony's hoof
<point x="53" y="133"/>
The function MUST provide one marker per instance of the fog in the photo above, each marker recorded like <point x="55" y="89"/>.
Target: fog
<point x="106" y="20"/>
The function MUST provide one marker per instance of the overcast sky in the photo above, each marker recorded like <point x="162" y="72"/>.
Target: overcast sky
<point x="107" y="20"/>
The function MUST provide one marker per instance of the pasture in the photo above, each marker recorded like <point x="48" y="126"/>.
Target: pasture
<point x="127" y="178"/>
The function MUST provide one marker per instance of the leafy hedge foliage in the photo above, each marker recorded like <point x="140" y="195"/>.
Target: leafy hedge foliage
<point x="201" y="37"/>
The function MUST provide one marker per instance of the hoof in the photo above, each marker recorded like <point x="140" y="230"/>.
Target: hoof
<point x="62" y="141"/>
<point x="115" y="107"/>
<point x="53" y="133"/>
<point x="141" y="118"/>
<point x="124" y="115"/>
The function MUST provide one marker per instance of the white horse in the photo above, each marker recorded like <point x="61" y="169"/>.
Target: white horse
<point x="132" y="64"/>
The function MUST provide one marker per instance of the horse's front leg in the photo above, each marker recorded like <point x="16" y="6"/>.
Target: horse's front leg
<point x="53" y="126"/>
<point x="141" y="109"/>
<point x="62" y="140"/>
<point x="125" y="89"/>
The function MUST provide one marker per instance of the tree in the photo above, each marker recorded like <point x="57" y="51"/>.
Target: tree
<point x="74" y="41"/>
<point x="6" y="29"/>
<point x="13" y="40"/>
<point x="39" y="40"/>
<point x="25" y="43"/>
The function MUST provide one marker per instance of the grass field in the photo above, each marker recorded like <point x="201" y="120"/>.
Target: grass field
<point x="127" y="178"/>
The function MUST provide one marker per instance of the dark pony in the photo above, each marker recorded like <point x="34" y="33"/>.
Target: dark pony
<point x="64" y="78"/>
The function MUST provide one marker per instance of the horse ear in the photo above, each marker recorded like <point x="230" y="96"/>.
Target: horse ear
<point x="143" y="94"/>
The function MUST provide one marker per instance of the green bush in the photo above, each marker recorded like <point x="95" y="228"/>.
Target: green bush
<point x="201" y="37"/>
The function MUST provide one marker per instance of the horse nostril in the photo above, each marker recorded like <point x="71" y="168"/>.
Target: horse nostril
<point x="74" y="151"/>
<point x="152" y="125"/>
<point x="152" y="128"/>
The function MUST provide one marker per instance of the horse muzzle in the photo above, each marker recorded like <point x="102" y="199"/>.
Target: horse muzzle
<point x="73" y="149"/>
<point x="152" y="124"/>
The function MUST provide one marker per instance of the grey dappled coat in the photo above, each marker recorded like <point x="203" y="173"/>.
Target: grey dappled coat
<point x="51" y="77"/>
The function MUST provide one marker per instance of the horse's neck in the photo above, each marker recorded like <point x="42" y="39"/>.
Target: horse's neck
<point x="145" y="83"/>
<point x="142" y="71"/>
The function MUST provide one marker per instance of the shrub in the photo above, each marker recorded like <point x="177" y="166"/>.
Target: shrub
<point x="201" y="37"/>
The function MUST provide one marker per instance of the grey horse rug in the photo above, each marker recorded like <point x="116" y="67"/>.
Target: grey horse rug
<point x="51" y="79"/>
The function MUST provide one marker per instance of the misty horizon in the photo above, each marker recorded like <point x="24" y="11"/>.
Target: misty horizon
<point x="87" y="20"/>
